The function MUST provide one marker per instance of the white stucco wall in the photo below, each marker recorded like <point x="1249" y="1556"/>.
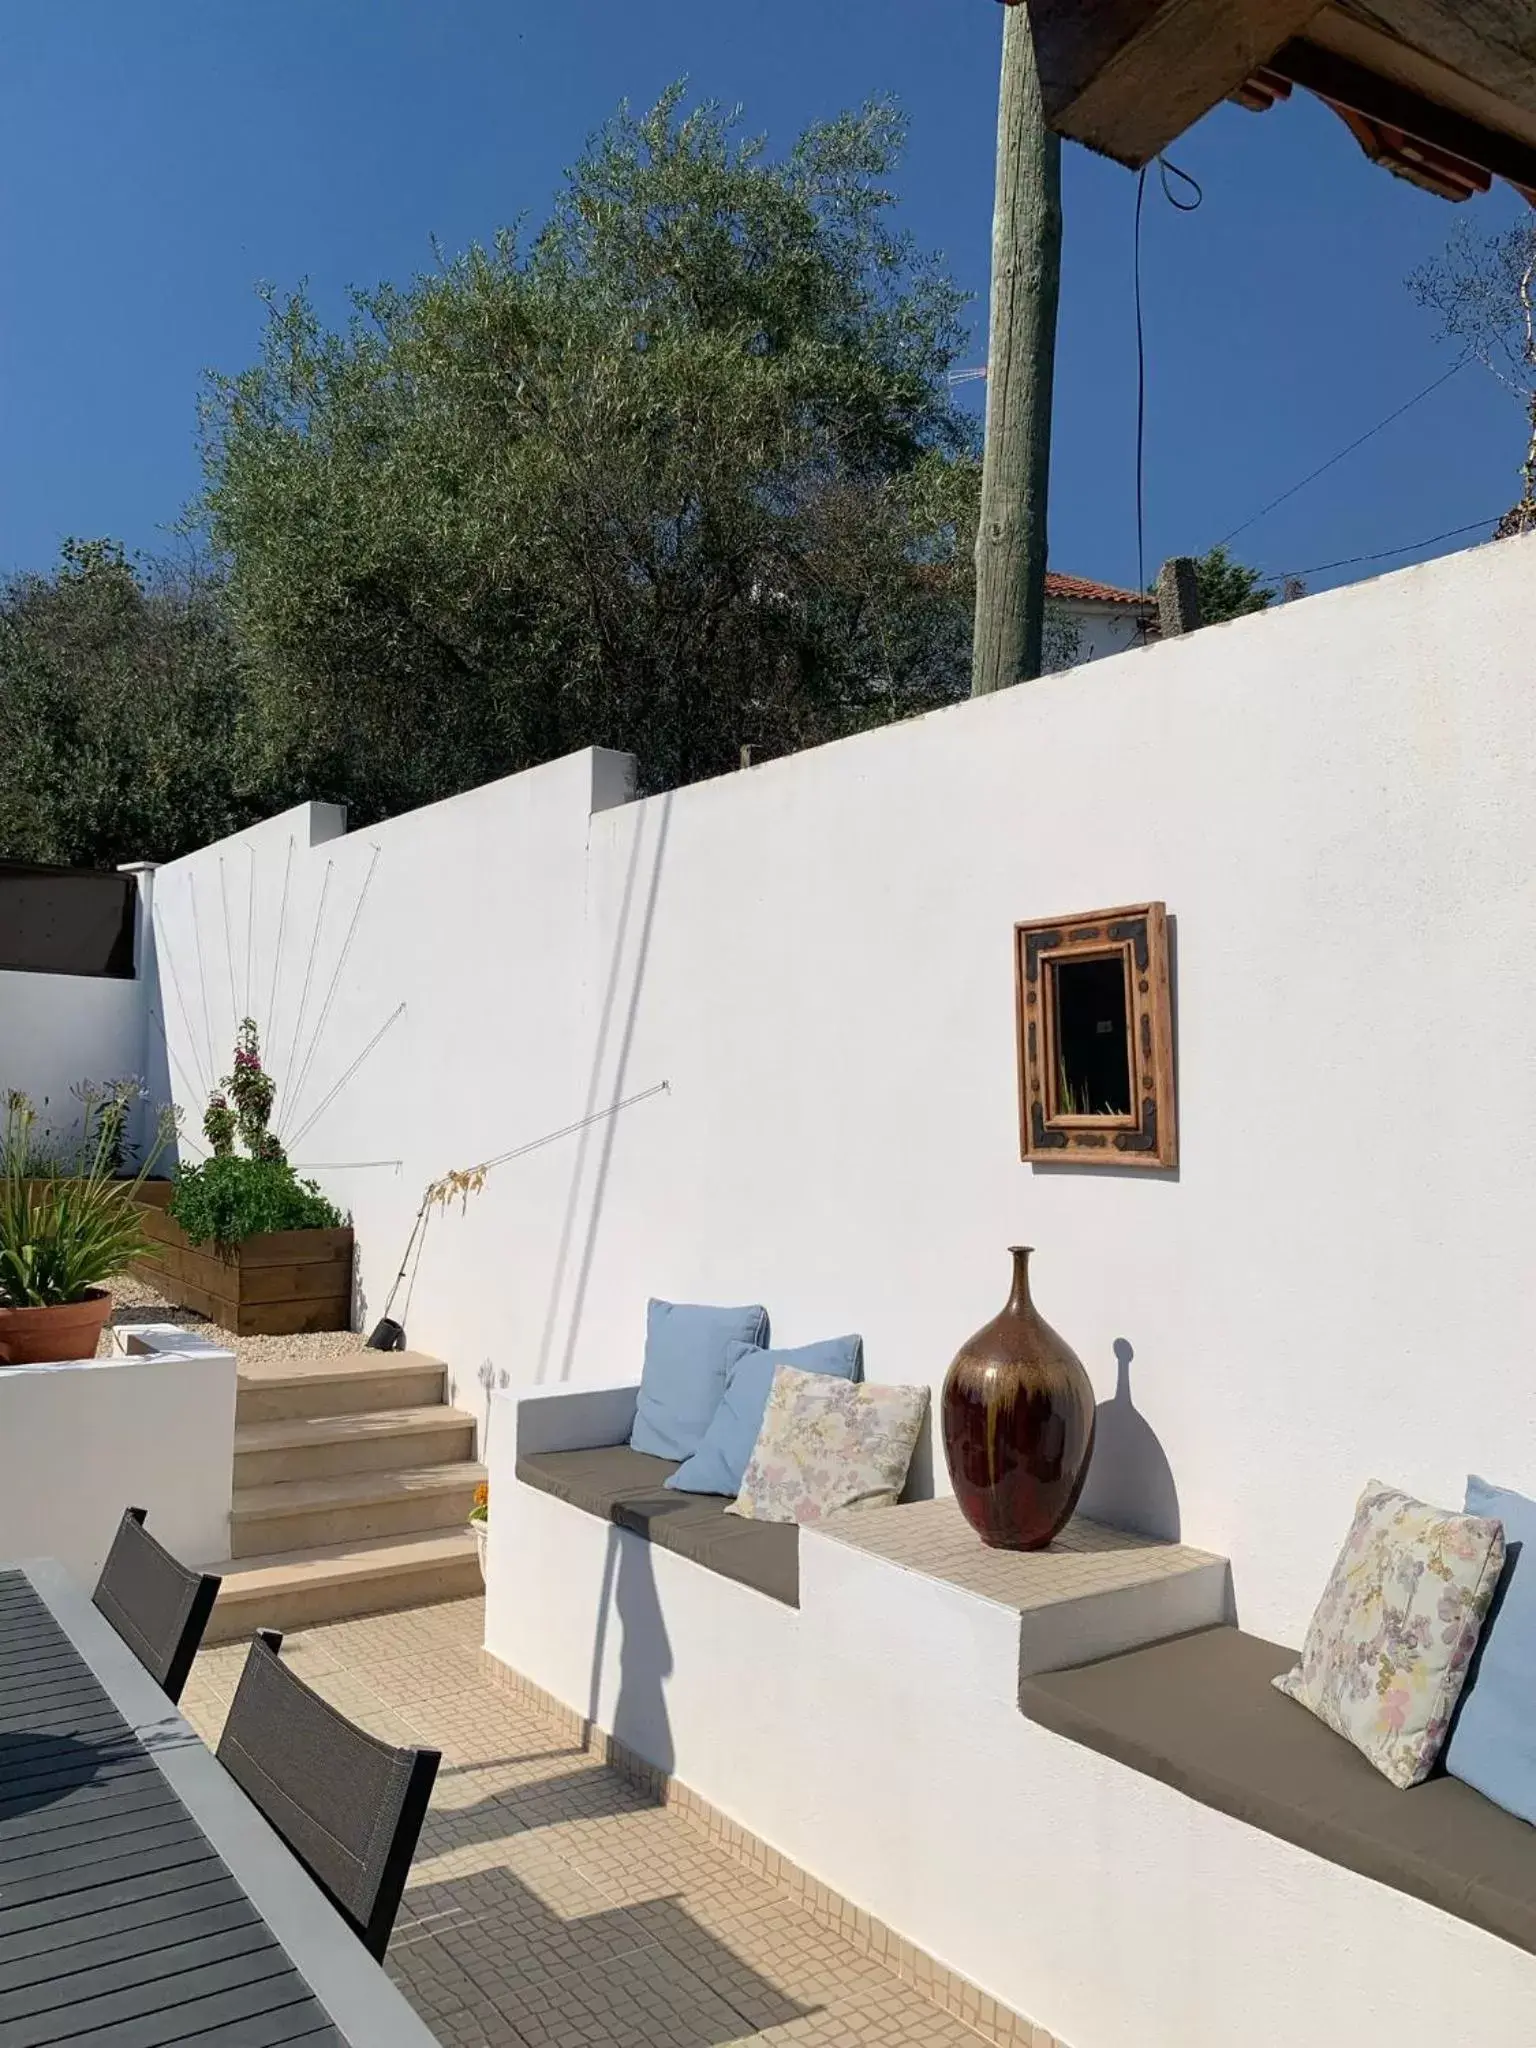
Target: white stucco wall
<point x="430" y="984"/>
<point x="1333" y="800"/>
<point x="57" y="1030"/>
<point x="81" y="1442"/>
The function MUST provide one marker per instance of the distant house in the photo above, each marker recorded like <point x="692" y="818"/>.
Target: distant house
<point x="1084" y="621"/>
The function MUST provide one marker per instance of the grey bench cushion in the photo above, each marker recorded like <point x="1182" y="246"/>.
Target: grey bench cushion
<point x="628" y="1488"/>
<point x="1199" y="1712"/>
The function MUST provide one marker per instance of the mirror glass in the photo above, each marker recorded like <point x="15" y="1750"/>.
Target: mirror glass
<point x="1091" y="1030"/>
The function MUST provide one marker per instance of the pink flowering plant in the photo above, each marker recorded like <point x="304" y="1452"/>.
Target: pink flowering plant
<point x="251" y="1091"/>
<point x="236" y="1195"/>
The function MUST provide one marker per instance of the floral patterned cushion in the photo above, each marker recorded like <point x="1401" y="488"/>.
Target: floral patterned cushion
<point x="828" y="1444"/>
<point x="1387" y="1651"/>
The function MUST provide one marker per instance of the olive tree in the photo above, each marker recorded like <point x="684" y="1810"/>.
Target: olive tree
<point x="680" y="473"/>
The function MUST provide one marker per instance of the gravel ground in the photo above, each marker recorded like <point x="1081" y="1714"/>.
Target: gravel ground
<point x="134" y="1302"/>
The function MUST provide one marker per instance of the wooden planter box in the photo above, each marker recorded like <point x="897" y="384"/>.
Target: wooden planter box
<point x="270" y="1286"/>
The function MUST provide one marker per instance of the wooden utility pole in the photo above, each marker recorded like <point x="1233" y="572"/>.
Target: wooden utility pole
<point x="1026" y="284"/>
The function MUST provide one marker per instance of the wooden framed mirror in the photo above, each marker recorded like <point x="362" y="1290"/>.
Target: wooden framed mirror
<point x="1095" y="1039"/>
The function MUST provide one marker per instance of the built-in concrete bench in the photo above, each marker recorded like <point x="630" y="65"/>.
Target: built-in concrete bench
<point x="629" y="1489"/>
<point x="1200" y="1714"/>
<point x="870" y="1739"/>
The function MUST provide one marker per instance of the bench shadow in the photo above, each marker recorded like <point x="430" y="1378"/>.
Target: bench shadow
<point x="629" y="1597"/>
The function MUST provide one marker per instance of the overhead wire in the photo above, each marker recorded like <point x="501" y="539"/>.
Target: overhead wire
<point x="1359" y="442"/>
<point x="1381" y="554"/>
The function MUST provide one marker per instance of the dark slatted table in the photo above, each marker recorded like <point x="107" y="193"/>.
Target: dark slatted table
<point x="126" y="1854"/>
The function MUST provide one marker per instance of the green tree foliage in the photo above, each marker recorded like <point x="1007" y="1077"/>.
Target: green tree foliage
<point x="679" y="475"/>
<point x="1229" y="589"/>
<point x="121" y="707"/>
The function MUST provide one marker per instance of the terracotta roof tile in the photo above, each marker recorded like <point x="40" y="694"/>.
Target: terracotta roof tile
<point x="1057" y="585"/>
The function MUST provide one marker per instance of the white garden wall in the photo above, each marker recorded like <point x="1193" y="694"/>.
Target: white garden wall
<point x="152" y="1428"/>
<point x="57" y="1030"/>
<point x="815" y="956"/>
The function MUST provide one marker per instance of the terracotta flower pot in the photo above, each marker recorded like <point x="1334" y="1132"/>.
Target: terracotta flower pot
<point x="49" y="1336"/>
<point x="1018" y="1413"/>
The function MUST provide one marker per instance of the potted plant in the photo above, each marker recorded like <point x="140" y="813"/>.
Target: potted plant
<point x="61" y="1237"/>
<point x="243" y="1239"/>
<point x="480" y="1523"/>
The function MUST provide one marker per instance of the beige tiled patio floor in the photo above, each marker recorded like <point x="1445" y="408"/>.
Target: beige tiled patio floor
<point x="552" y="1905"/>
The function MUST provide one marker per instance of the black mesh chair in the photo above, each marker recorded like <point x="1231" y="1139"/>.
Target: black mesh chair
<point x="158" y="1605"/>
<point x="348" y="1806"/>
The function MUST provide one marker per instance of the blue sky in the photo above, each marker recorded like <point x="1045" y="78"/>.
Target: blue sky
<point x="159" y="161"/>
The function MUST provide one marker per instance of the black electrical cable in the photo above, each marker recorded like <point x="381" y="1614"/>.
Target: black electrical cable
<point x="1381" y="554"/>
<point x="1359" y="442"/>
<point x="1166" y="173"/>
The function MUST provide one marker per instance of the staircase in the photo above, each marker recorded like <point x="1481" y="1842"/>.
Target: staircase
<point x="353" y="1485"/>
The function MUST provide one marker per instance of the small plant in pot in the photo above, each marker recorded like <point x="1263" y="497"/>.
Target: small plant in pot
<point x="62" y="1237"/>
<point x="480" y="1523"/>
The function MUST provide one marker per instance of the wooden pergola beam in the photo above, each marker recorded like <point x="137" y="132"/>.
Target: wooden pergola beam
<point x="1349" y="85"/>
<point x="1126" y="77"/>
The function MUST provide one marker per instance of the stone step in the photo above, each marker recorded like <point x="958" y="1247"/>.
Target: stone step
<point x="353" y="1384"/>
<point x="298" y="1514"/>
<point x="329" y="1446"/>
<point x="339" y="1581"/>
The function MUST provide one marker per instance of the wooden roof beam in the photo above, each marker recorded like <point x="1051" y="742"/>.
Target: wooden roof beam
<point x="1353" y="89"/>
<point x="1126" y="77"/>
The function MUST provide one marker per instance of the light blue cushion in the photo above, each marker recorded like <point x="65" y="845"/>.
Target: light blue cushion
<point x="683" y="1379"/>
<point x="1493" y="1738"/>
<point x="717" y="1465"/>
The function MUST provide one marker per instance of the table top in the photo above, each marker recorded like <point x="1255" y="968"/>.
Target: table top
<point x="143" y="1900"/>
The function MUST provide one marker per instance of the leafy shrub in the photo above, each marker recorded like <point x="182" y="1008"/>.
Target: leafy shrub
<point x="225" y="1201"/>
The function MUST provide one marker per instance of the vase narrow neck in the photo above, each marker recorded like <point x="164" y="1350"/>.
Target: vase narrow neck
<point x="1018" y="1300"/>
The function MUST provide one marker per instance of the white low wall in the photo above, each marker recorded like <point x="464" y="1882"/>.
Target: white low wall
<point x="873" y="1736"/>
<point x="81" y="1442"/>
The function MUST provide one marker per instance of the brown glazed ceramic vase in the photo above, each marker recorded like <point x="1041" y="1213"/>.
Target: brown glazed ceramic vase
<point x="52" y="1336"/>
<point x="1018" y="1424"/>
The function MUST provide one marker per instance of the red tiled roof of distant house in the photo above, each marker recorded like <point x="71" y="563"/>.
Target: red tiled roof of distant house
<point x="1092" y="593"/>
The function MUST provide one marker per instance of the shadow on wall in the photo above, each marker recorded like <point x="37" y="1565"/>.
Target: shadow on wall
<point x="926" y="1457"/>
<point x="1130" y="1481"/>
<point x="629" y="1594"/>
<point x="615" y="1028"/>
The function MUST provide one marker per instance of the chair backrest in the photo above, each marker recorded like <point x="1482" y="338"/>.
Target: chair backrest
<point x="349" y="1806"/>
<point x="158" y="1605"/>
